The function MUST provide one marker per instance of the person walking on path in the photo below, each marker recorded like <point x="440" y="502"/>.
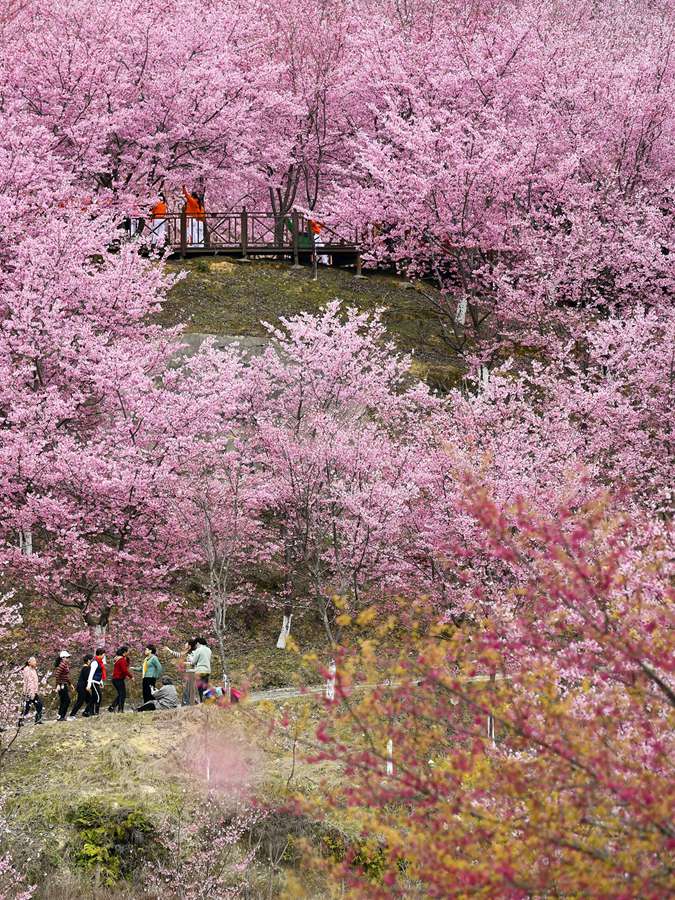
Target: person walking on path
<point x="31" y="687"/>
<point x="196" y="217"/>
<point x="97" y="675"/>
<point x="120" y="674"/>
<point x="63" y="683"/>
<point x="201" y="663"/>
<point x="81" y="687"/>
<point x="151" y="671"/>
<point x="164" y="697"/>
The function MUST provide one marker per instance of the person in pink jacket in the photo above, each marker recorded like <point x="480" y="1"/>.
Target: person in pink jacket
<point x="31" y="686"/>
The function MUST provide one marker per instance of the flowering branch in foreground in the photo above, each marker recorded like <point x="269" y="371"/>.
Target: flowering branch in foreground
<point x="573" y="796"/>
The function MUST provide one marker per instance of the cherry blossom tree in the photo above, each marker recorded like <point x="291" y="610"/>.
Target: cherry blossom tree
<point x="312" y="51"/>
<point x="10" y="705"/>
<point x="517" y="153"/>
<point x="138" y="98"/>
<point x="336" y="434"/>
<point x="534" y="195"/>
<point x="96" y="432"/>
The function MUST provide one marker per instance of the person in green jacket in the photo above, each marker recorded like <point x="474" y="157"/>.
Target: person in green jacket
<point x="152" y="670"/>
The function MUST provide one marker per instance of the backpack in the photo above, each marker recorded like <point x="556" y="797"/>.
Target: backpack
<point x="99" y="660"/>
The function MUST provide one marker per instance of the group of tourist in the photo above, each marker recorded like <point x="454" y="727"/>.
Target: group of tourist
<point x="195" y="658"/>
<point x="157" y="227"/>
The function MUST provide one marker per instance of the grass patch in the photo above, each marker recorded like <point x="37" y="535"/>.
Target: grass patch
<point x="223" y="297"/>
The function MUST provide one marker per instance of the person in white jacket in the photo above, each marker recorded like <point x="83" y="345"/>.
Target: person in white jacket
<point x="95" y="681"/>
<point x="200" y="660"/>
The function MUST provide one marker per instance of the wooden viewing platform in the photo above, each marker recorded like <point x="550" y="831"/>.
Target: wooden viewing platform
<point x="247" y="234"/>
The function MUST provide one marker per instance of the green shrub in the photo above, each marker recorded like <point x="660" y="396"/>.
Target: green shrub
<point x="111" y="841"/>
<point x="369" y="856"/>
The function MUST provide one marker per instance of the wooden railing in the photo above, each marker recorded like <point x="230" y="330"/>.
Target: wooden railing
<point x="245" y="233"/>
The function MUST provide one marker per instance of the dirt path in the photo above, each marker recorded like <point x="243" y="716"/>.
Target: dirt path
<point x="287" y="693"/>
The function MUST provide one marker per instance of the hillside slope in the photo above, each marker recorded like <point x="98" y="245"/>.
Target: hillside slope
<point x="105" y="801"/>
<point x="231" y="298"/>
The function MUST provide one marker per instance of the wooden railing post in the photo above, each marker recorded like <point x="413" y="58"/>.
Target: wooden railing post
<point x="183" y="234"/>
<point x="296" y="240"/>
<point x="315" y="261"/>
<point x="244" y="233"/>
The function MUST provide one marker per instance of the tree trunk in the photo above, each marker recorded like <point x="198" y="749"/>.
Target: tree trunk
<point x="323" y="607"/>
<point x="282" y="200"/>
<point x="98" y="624"/>
<point x="26" y="541"/>
<point x="219" y="617"/>
<point x="460" y="315"/>
<point x="100" y="632"/>
<point x="285" y="631"/>
<point x="221" y="650"/>
<point x="484" y="378"/>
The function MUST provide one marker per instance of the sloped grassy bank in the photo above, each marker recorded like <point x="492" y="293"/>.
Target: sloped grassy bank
<point x="225" y="297"/>
<point x="98" y="804"/>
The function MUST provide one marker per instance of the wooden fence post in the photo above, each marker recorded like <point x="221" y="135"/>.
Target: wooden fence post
<point x="315" y="262"/>
<point x="296" y="240"/>
<point x="183" y="234"/>
<point x="244" y="233"/>
<point x="330" y="681"/>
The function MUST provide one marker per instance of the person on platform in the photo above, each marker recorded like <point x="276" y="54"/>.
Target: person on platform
<point x="158" y="222"/>
<point x="196" y="217"/>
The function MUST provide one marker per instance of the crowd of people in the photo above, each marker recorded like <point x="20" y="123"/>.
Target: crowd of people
<point x="158" y="689"/>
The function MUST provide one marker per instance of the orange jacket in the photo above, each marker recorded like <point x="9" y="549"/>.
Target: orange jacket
<point x="193" y="207"/>
<point x="315" y="227"/>
<point x="159" y="210"/>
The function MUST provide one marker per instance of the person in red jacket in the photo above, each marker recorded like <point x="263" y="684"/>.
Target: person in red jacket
<point x="120" y="674"/>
